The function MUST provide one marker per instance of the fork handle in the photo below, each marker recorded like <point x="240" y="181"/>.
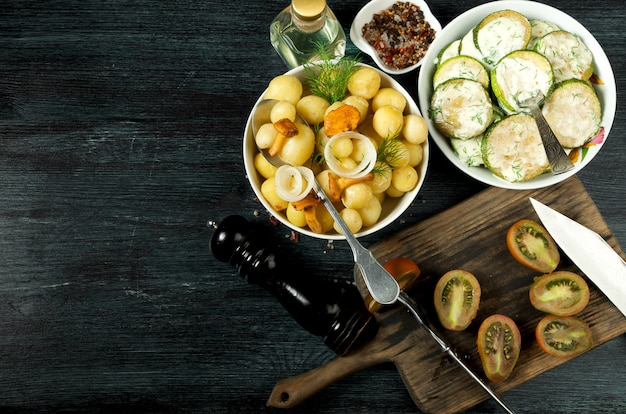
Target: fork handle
<point x="558" y="159"/>
<point x="382" y="286"/>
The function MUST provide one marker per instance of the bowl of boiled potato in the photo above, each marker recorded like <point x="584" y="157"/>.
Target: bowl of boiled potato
<point x="367" y="149"/>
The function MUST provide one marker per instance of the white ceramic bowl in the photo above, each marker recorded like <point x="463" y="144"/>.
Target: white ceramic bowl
<point x="532" y="10"/>
<point x="392" y="207"/>
<point x="366" y="14"/>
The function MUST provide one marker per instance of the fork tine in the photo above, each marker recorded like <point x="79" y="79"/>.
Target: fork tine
<point x="534" y="98"/>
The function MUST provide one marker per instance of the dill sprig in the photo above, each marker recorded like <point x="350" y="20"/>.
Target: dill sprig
<point x="389" y="153"/>
<point x="318" y="157"/>
<point x="329" y="78"/>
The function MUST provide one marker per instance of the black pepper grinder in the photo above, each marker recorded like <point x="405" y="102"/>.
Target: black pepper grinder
<point x="332" y="309"/>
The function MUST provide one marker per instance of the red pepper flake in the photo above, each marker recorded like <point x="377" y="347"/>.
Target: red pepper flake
<point x="295" y="236"/>
<point x="596" y="79"/>
<point x="400" y="35"/>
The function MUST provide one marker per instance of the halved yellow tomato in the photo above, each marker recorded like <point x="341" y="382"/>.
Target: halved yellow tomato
<point x="563" y="336"/>
<point x="531" y="245"/>
<point x="457" y="298"/>
<point x="559" y="293"/>
<point x="499" y="343"/>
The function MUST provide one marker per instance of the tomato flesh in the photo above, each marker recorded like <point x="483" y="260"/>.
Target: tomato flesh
<point x="559" y="293"/>
<point x="404" y="270"/>
<point x="531" y="245"/>
<point x="457" y="298"/>
<point x="499" y="343"/>
<point x="563" y="336"/>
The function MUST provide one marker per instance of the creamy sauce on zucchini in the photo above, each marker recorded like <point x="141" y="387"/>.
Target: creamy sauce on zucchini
<point x="461" y="108"/>
<point x="574" y="115"/>
<point x="515" y="149"/>
<point x="569" y="57"/>
<point x="468" y="150"/>
<point x="519" y="79"/>
<point x="463" y="67"/>
<point x="467" y="46"/>
<point x="521" y="57"/>
<point x="540" y="28"/>
<point x="500" y="37"/>
<point x="451" y="51"/>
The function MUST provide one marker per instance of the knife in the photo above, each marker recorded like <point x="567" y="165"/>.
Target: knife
<point x="589" y="251"/>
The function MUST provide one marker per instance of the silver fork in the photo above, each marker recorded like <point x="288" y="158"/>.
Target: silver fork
<point x="385" y="290"/>
<point x="558" y="159"/>
<point x="383" y="287"/>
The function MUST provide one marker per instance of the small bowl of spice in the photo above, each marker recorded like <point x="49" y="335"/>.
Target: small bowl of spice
<point x="396" y="34"/>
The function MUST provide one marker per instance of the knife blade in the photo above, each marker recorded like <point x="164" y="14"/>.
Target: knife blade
<point x="589" y="251"/>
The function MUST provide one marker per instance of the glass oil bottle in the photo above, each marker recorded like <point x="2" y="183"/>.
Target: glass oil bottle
<point x="304" y="28"/>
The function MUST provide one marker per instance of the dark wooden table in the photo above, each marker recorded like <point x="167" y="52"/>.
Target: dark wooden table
<point x="120" y="139"/>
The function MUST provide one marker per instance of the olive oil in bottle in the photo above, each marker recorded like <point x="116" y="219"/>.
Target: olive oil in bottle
<point x="304" y="27"/>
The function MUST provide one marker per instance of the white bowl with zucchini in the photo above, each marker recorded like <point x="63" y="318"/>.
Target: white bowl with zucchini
<point x="491" y="58"/>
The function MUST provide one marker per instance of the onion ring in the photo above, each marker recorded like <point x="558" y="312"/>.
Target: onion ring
<point x="289" y="185"/>
<point x="364" y="167"/>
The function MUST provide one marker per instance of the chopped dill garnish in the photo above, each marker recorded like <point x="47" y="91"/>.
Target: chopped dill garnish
<point x="381" y="168"/>
<point x="389" y="153"/>
<point x="329" y="78"/>
<point x="318" y="158"/>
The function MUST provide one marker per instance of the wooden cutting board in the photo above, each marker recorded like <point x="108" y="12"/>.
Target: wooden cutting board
<point x="469" y="236"/>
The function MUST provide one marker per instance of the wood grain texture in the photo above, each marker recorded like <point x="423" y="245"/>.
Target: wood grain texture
<point x="120" y="139"/>
<point x="469" y="236"/>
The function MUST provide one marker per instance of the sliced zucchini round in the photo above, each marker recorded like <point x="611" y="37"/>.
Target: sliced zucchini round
<point x="448" y="52"/>
<point x="468" y="150"/>
<point x="568" y="55"/>
<point x="461" y="108"/>
<point x="467" y="47"/>
<point x="500" y="33"/>
<point x="512" y="149"/>
<point x="573" y="112"/>
<point x="540" y="28"/>
<point x="520" y="75"/>
<point x="464" y="67"/>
